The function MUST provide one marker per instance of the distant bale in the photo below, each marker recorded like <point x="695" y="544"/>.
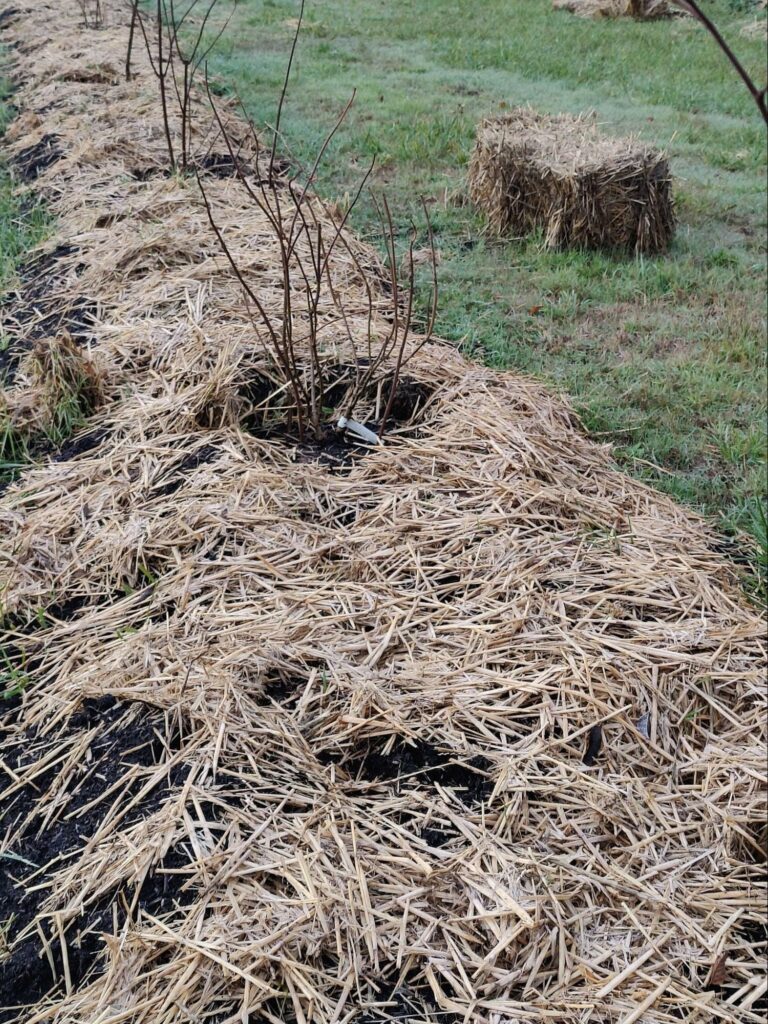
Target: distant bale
<point x="644" y="10"/>
<point x="558" y="174"/>
<point x="756" y="28"/>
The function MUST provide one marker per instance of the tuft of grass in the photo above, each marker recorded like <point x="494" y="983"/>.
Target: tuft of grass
<point x="13" y="678"/>
<point x="14" y="449"/>
<point x="664" y="357"/>
<point x="23" y="223"/>
<point x="67" y="390"/>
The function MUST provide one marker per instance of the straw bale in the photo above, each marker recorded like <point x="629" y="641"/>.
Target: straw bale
<point x="755" y="28"/>
<point x="470" y="602"/>
<point x="558" y="174"/>
<point x="643" y="10"/>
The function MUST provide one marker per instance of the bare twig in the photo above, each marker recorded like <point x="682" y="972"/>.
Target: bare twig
<point x="131" y="37"/>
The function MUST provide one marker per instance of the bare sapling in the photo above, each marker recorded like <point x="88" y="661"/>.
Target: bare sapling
<point x="93" y="15"/>
<point x="134" y="6"/>
<point x="177" y="49"/>
<point x="312" y="303"/>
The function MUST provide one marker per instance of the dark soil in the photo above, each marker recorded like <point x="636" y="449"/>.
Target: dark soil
<point x="88" y="441"/>
<point x="334" y="452"/>
<point x="404" y="1005"/>
<point x="37" y="312"/>
<point x="337" y="451"/>
<point x="9" y="358"/>
<point x="47" y="318"/>
<point x="90" y="76"/>
<point x="213" y="165"/>
<point x="30" y="163"/>
<point x="221" y="165"/>
<point x="283" y="689"/>
<point x="416" y="1006"/>
<point x="40" y="274"/>
<point x="126" y="734"/>
<point x="410" y="398"/>
<point x="148" y="173"/>
<point x="418" y="763"/>
<point x="177" y="475"/>
<point x="8" y="15"/>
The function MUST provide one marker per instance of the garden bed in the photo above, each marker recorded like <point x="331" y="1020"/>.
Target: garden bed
<point x="365" y="780"/>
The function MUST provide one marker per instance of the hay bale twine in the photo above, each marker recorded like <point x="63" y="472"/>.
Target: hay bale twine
<point x="559" y="175"/>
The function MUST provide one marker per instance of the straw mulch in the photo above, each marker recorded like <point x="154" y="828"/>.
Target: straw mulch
<point x="643" y="10"/>
<point x="559" y="175"/>
<point x="463" y="607"/>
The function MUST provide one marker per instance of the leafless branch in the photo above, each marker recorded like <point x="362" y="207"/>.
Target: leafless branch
<point x="757" y="94"/>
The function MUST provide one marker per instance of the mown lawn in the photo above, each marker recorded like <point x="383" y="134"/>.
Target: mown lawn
<point x="664" y="357"/>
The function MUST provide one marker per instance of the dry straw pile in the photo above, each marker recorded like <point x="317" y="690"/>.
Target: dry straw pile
<point x="643" y="10"/>
<point x="471" y="728"/>
<point x="559" y="175"/>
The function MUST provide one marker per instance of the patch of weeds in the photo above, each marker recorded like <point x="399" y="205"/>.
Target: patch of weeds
<point x="13" y="680"/>
<point x="23" y="224"/>
<point x="14" y="449"/>
<point x="65" y="389"/>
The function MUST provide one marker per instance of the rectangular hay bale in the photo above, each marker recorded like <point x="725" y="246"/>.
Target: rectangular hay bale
<point x="644" y="10"/>
<point x="560" y="175"/>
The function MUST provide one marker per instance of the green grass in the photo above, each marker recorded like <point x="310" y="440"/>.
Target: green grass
<point x="665" y="357"/>
<point x="22" y="225"/>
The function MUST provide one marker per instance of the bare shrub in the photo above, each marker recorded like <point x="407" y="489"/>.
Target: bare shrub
<point x="306" y="245"/>
<point x="176" y="63"/>
<point x="92" y="12"/>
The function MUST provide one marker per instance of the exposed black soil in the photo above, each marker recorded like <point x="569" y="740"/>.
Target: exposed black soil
<point x="102" y="75"/>
<point x="148" y="173"/>
<point x="212" y="165"/>
<point x="418" y="762"/>
<point x="410" y="398"/>
<point x="283" y="689"/>
<point x="406" y="1005"/>
<point x="336" y="450"/>
<point x="30" y="163"/>
<point x="124" y="734"/>
<point x="40" y="274"/>
<point x="37" y="311"/>
<point x="7" y="16"/>
<point x="416" y="1006"/>
<point x="85" y="442"/>
<point x="177" y="474"/>
<point x="221" y="165"/>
